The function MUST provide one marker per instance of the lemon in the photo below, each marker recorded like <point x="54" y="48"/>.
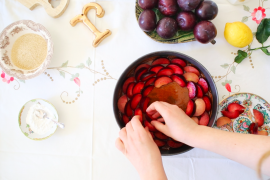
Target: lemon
<point x="238" y="34"/>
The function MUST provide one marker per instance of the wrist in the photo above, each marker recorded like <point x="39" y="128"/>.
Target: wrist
<point x="156" y="175"/>
<point x="192" y="135"/>
<point x="154" y="172"/>
<point x="197" y="137"/>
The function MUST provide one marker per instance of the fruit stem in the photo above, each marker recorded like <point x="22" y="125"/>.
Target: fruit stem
<point x="259" y="48"/>
<point x="213" y="42"/>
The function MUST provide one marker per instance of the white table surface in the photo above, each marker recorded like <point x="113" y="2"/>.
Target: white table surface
<point x="85" y="148"/>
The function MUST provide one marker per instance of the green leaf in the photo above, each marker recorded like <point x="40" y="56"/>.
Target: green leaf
<point x="27" y="125"/>
<point x="81" y="66"/>
<point x="233" y="68"/>
<point x="76" y="75"/>
<point x="225" y="65"/>
<point x="244" y="19"/>
<point x="63" y="74"/>
<point x="65" y="64"/>
<point x="88" y="62"/>
<point x="265" y="51"/>
<point x="226" y="81"/>
<point x="22" y="80"/>
<point x="158" y="14"/>
<point x="26" y="134"/>
<point x="72" y="79"/>
<point x="246" y="8"/>
<point x="240" y="57"/>
<point x="177" y="33"/>
<point x="263" y="30"/>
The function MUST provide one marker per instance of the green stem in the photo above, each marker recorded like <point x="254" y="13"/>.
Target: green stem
<point x="259" y="48"/>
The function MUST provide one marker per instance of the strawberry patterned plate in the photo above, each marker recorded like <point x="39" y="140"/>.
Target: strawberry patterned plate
<point x="242" y="123"/>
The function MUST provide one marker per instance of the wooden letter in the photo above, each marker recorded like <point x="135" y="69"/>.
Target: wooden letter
<point x="53" y="12"/>
<point x="99" y="36"/>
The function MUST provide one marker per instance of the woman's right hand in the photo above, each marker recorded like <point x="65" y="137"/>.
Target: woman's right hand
<point x="247" y="149"/>
<point x="177" y="125"/>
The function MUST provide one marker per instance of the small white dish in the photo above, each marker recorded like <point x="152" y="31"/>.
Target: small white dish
<point x="8" y="37"/>
<point x="25" y="128"/>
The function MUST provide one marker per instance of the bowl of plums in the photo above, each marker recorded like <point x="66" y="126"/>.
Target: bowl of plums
<point x="177" y="21"/>
<point x="170" y="77"/>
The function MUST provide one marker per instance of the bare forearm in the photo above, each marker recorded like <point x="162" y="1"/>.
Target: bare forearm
<point x="155" y="172"/>
<point x="246" y="149"/>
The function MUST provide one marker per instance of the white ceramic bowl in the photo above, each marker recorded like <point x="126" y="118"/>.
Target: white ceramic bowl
<point x="7" y="38"/>
<point x="25" y="128"/>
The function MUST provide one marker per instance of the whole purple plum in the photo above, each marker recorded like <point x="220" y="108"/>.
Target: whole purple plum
<point x="188" y="5"/>
<point x="168" y="7"/>
<point x="148" y="20"/>
<point x="148" y="4"/>
<point x="167" y="27"/>
<point x="186" y="20"/>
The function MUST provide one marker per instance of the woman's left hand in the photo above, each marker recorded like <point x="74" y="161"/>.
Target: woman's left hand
<point x="137" y="144"/>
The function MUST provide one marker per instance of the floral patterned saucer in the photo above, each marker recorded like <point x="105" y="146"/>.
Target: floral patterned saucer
<point x="7" y="38"/>
<point x="25" y="128"/>
<point x="241" y="124"/>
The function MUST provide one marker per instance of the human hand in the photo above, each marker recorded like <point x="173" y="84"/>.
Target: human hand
<point x="178" y="125"/>
<point x="137" y="144"/>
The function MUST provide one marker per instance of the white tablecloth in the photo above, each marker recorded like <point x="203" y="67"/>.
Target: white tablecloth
<point x="85" y="148"/>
